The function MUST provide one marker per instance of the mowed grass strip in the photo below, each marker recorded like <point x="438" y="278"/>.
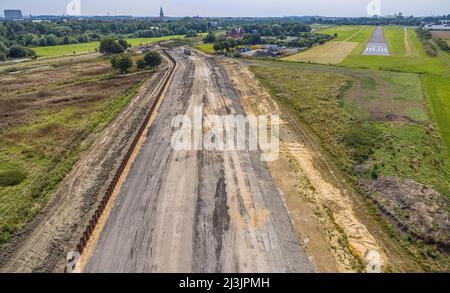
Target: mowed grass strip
<point x="74" y="49"/>
<point x="395" y="37"/>
<point x="362" y="38"/>
<point x="343" y="32"/>
<point x="437" y="90"/>
<point x="329" y="53"/>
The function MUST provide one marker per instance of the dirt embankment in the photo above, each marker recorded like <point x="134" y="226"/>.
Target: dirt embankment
<point x="320" y="203"/>
<point x="43" y="245"/>
<point x="415" y="208"/>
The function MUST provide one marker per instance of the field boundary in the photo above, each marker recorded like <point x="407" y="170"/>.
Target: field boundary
<point x="106" y="200"/>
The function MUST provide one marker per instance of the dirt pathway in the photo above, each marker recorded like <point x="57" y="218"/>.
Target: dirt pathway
<point x="406" y="40"/>
<point x="198" y="211"/>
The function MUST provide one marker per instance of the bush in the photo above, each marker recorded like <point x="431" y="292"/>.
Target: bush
<point x="153" y="59"/>
<point x="2" y="56"/>
<point x="122" y="62"/>
<point x="141" y="64"/>
<point x="361" y="139"/>
<point x="3" y="48"/>
<point x="12" y="177"/>
<point x="124" y="44"/>
<point x="109" y="46"/>
<point x="31" y="53"/>
<point x="17" y="52"/>
<point x="210" y="38"/>
<point x="443" y="45"/>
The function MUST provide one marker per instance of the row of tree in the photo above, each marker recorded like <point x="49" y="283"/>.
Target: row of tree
<point x="15" y="51"/>
<point x="303" y="40"/>
<point x="57" y="32"/>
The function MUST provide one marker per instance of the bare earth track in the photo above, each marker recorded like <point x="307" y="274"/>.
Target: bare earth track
<point x="198" y="211"/>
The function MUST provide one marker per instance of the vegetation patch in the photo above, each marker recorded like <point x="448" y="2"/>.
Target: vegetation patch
<point x="12" y="177"/>
<point x="65" y="105"/>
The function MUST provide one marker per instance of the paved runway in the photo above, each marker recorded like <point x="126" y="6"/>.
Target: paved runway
<point x="377" y="46"/>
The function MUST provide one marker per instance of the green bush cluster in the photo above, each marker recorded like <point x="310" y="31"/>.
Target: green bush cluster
<point x="12" y="177"/>
<point x="362" y="140"/>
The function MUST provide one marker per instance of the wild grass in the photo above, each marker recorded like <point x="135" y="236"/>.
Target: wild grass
<point x="46" y="147"/>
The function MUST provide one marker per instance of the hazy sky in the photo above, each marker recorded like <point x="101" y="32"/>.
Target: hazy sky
<point x="231" y="7"/>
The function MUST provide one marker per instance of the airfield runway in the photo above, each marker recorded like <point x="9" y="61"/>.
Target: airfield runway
<point x="377" y="45"/>
<point x="198" y="211"/>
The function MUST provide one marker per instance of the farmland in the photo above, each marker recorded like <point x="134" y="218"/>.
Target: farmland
<point x="47" y="115"/>
<point x="349" y="40"/>
<point x="206" y="48"/>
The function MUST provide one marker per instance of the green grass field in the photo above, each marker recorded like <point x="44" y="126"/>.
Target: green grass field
<point x="63" y="50"/>
<point x="437" y="89"/>
<point x="205" y="48"/>
<point x="344" y="32"/>
<point x="395" y="39"/>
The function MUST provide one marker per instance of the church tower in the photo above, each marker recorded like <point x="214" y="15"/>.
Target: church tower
<point x="161" y="14"/>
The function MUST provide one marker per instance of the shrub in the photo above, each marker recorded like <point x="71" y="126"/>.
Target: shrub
<point x="2" y="56"/>
<point x="17" y="52"/>
<point x="210" y="38"/>
<point x="31" y="53"/>
<point x="361" y="139"/>
<point x="153" y="59"/>
<point x="141" y="64"/>
<point x="443" y="45"/>
<point x="110" y="46"/>
<point x="3" y="48"/>
<point x="123" y="43"/>
<point x="122" y="62"/>
<point x="12" y="177"/>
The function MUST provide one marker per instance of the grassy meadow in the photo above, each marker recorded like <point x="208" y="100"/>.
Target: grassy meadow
<point x="73" y="49"/>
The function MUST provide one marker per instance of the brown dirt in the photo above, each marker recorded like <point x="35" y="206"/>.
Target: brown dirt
<point x="414" y="207"/>
<point x="44" y="243"/>
<point x="445" y="35"/>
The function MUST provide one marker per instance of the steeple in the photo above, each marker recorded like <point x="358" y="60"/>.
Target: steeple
<point x="161" y="14"/>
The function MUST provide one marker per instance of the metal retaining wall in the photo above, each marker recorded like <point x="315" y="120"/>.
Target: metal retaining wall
<point x="112" y="186"/>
